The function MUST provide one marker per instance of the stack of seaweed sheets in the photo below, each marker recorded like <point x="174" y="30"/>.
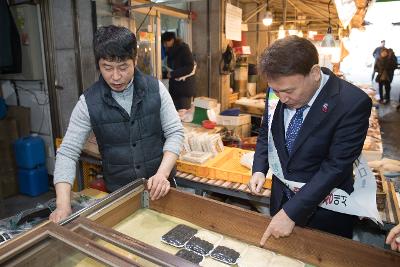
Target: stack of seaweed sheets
<point x="206" y="248"/>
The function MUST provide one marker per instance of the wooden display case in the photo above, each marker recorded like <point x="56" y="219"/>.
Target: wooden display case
<point x="93" y="236"/>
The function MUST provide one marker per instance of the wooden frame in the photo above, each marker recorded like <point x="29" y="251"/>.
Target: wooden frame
<point x="87" y="227"/>
<point x="307" y="245"/>
<point x="13" y="253"/>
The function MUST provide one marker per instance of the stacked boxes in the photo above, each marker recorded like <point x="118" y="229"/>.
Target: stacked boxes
<point x="240" y="125"/>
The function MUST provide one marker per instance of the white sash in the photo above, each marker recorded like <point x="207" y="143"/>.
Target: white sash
<point x="361" y="202"/>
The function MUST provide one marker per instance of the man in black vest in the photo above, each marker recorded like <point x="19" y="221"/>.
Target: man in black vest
<point x="132" y="115"/>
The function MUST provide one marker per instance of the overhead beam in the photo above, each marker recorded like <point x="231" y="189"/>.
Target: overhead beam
<point x="253" y="12"/>
<point x="284" y="4"/>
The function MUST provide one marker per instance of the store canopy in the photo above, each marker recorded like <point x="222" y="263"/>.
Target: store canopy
<point x="311" y="14"/>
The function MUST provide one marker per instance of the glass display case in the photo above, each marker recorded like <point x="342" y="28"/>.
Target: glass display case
<point x="125" y="229"/>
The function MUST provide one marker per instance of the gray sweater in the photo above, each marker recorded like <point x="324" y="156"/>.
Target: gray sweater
<point x="79" y="129"/>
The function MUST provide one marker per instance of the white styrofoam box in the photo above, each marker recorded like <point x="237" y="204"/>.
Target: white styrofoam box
<point x="234" y="120"/>
<point x="205" y="102"/>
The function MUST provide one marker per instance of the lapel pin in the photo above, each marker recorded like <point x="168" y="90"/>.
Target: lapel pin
<point x="325" y="107"/>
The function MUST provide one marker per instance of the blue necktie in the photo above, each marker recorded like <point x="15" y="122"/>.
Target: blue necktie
<point x="291" y="134"/>
<point x="294" y="128"/>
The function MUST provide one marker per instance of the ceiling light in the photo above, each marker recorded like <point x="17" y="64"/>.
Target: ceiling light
<point x="267" y="20"/>
<point x="300" y="34"/>
<point x="328" y="40"/>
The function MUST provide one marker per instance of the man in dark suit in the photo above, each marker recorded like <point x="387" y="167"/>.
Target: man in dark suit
<point x="318" y="128"/>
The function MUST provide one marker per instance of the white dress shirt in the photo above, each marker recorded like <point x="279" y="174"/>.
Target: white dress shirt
<point x="289" y="112"/>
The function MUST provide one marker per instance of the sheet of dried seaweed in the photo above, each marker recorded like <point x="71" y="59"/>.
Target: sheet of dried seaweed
<point x="199" y="246"/>
<point x="179" y="235"/>
<point x="190" y="256"/>
<point x="225" y="254"/>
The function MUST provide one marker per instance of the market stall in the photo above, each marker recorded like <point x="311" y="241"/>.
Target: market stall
<point x="108" y="233"/>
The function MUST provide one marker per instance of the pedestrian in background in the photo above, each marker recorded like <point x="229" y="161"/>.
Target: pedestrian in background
<point x="383" y="66"/>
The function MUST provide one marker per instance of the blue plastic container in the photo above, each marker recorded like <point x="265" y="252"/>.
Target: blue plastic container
<point x="29" y="152"/>
<point x="33" y="182"/>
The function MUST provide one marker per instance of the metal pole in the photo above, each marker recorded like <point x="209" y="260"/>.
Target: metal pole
<point x="208" y="49"/>
<point x="46" y="16"/>
<point x="77" y="44"/>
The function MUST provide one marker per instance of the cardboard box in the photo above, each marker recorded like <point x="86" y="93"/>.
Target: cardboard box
<point x="233" y="120"/>
<point x="23" y="117"/>
<point x="91" y="148"/>
<point x="7" y="159"/>
<point x="240" y="125"/>
<point x="8" y="130"/>
<point x="205" y="102"/>
<point x="9" y="184"/>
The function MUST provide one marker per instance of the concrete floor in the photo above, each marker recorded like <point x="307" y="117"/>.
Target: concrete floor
<point x="18" y="203"/>
<point x="389" y="119"/>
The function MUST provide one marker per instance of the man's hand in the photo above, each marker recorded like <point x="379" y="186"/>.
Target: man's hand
<point x="63" y="202"/>
<point x="60" y="214"/>
<point x="158" y="185"/>
<point x="280" y="226"/>
<point x="393" y="238"/>
<point x="256" y="182"/>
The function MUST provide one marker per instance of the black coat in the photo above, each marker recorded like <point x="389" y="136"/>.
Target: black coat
<point x="383" y="66"/>
<point x="180" y="59"/>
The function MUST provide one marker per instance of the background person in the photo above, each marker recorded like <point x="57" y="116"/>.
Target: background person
<point x="181" y="70"/>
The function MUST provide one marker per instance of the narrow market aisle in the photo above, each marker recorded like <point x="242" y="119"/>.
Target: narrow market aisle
<point x="389" y="119"/>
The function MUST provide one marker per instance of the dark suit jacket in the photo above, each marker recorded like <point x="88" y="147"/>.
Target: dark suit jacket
<point x="324" y="151"/>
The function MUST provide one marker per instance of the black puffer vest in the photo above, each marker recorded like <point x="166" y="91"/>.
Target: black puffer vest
<point x="131" y="146"/>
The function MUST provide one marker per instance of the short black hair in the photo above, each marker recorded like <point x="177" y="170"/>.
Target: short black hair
<point x="167" y="36"/>
<point x="288" y="56"/>
<point x="114" y="43"/>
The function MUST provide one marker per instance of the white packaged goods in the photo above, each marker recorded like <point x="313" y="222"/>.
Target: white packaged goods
<point x="205" y="102"/>
<point x="202" y="142"/>
<point x="280" y="260"/>
<point x="234" y="120"/>
<point x="247" y="160"/>
<point x="197" y="157"/>
<point x="255" y="257"/>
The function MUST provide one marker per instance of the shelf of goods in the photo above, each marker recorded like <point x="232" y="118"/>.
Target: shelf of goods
<point x="88" y="168"/>
<point x="372" y="149"/>
<point x="224" y="166"/>
<point x="126" y="227"/>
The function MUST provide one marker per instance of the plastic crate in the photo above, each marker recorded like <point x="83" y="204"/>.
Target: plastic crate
<point x="225" y="166"/>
